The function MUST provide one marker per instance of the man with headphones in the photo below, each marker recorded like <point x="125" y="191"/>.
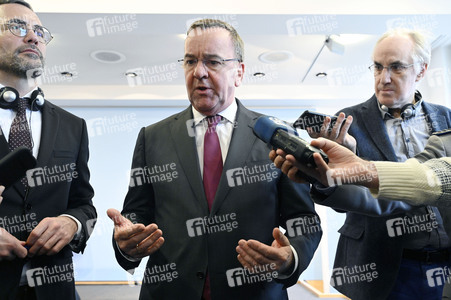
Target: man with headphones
<point x="393" y="125"/>
<point x="43" y="216"/>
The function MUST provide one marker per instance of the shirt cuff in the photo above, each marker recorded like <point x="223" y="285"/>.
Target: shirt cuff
<point x="296" y="262"/>
<point x="78" y="233"/>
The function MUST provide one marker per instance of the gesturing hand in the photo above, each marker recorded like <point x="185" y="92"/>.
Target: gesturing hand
<point x="135" y="240"/>
<point x="338" y="133"/>
<point x="254" y="254"/>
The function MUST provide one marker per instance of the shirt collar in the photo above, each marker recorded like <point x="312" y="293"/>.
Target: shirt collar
<point x="228" y="114"/>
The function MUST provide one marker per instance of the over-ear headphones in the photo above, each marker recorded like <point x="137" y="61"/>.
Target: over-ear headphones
<point x="9" y="95"/>
<point x="407" y="110"/>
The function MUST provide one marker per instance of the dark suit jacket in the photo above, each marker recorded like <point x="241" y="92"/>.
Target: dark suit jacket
<point x="364" y="239"/>
<point x="257" y="208"/>
<point x="64" y="141"/>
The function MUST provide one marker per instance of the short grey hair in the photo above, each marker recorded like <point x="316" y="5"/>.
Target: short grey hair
<point x="421" y="46"/>
<point x="238" y="43"/>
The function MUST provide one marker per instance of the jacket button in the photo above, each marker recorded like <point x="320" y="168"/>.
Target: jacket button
<point x="200" y="275"/>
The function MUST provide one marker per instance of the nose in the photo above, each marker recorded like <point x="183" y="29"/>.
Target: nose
<point x="31" y="37"/>
<point x="385" y="76"/>
<point x="200" y="70"/>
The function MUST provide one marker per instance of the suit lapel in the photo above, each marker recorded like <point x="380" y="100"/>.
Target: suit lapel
<point x="240" y="146"/>
<point x="437" y="121"/>
<point x="375" y="126"/>
<point x="50" y="126"/>
<point x="185" y="147"/>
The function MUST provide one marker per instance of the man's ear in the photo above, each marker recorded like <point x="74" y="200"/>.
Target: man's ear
<point x="422" y="72"/>
<point x="239" y="75"/>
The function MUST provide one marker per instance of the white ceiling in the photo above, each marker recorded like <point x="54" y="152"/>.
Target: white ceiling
<point x="150" y="37"/>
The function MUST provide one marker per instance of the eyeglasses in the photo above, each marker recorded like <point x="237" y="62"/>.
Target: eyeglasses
<point x="211" y="64"/>
<point x="20" y="29"/>
<point x="395" y="68"/>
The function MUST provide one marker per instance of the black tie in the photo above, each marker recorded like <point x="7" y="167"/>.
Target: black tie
<point x="19" y="134"/>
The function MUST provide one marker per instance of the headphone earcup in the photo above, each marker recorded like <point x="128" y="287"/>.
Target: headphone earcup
<point x="37" y="100"/>
<point x="8" y="97"/>
<point x="407" y="111"/>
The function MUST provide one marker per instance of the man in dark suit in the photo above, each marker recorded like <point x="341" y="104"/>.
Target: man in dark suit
<point x="193" y="231"/>
<point x="393" y="125"/>
<point x="44" y="216"/>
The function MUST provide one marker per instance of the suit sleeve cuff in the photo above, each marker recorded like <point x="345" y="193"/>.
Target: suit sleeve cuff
<point x="127" y="257"/>
<point x="296" y="262"/>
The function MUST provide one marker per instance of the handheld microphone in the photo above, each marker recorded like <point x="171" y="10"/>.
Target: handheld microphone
<point x="281" y="135"/>
<point x="15" y="164"/>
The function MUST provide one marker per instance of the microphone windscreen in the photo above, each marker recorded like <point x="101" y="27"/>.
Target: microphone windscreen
<point x="15" y="164"/>
<point x="265" y="127"/>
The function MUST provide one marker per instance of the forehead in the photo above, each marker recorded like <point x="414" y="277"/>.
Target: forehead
<point x="212" y="41"/>
<point x="17" y="11"/>
<point x="394" y="49"/>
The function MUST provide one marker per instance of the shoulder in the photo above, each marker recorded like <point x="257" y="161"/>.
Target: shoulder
<point x="437" y="108"/>
<point x="49" y="107"/>
<point x="446" y="132"/>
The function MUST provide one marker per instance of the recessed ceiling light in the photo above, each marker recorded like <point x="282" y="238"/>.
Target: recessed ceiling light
<point x="321" y="74"/>
<point x="108" y="56"/>
<point x="67" y="74"/>
<point x="131" y="74"/>
<point x="274" y="57"/>
<point x="259" y="74"/>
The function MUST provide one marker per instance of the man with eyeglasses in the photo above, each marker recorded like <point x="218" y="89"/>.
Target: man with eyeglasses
<point x="42" y="221"/>
<point x="393" y="125"/>
<point x="217" y="224"/>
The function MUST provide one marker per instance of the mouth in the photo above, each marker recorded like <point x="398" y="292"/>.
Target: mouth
<point x="30" y="50"/>
<point x="202" y="88"/>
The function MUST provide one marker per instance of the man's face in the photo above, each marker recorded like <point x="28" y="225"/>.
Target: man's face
<point x="211" y="89"/>
<point x="19" y="54"/>
<point x="393" y="89"/>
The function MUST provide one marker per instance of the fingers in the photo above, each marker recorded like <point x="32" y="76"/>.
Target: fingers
<point x="2" y="188"/>
<point x="51" y="235"/>
<point x="10" y="246"/>
<point x="144" y="243"/>
<point x="280" y="238"/>
<point x="324" y="144"/>
<point x="117" y="218"/>
<point x="248" y="256"/>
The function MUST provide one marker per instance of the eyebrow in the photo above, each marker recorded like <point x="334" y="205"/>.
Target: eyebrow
<point x="397" y="62"/>
<point x="206" y="56"/>
<point x="17" y="21"/>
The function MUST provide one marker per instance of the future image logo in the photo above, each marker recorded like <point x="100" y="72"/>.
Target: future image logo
<point x="411" y="224"/>
<point x="438" y="276"/>
<point x="211" y="225"/>
<point x="242" y="276"/>
<point x="251" y="174"/>
<point x="50" y="275"/>
<point x="111" y="24"/>
<point x="303" y="225"/>
<point x="49" y="175"/>
<point x="355" y="274"/>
